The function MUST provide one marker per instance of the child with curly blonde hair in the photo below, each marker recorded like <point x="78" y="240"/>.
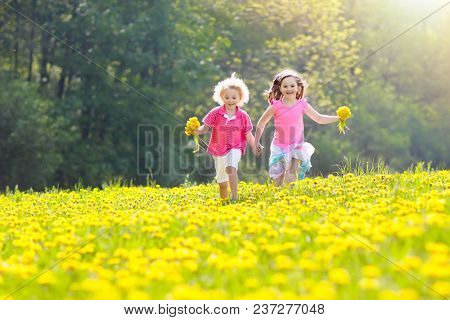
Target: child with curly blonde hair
<point x="231" y="130"/>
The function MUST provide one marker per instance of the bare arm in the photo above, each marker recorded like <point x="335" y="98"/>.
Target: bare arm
<point x="250" y="140"/>
<point x="267" y="115"/>
<point x="202" y="130"/>
<point x="320" y="118"/>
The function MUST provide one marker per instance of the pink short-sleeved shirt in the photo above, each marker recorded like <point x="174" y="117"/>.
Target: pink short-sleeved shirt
<point x="227" y="132"/>
<point x="288" y="123"/>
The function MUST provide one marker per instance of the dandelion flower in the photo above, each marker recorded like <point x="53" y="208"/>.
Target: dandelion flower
<point x="343" y="113"/>
<point x="191" y="126"/>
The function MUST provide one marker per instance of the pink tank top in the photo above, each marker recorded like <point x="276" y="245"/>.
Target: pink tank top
<point x="288" y="123"/>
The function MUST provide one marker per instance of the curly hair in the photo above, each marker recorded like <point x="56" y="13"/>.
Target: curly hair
<point x="274" y="91"/>
<point x="231" y="83"/>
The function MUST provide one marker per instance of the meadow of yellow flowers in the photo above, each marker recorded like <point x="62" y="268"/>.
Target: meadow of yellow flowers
<point x="373" y="236"/>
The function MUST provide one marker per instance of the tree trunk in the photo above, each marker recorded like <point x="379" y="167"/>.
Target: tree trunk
<point x="31" y="43"/>
<point x="61" y="84"/>
<point x="86" y="109"/>
<point x="45" y="43"/>
<point x="17" y="37"/>
<point x="155" y="67"/>
<point x="69" y="80"/>
<point x="67" y="55"/>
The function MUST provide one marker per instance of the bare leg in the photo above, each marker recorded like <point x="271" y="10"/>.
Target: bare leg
<point x="279" y="181"/>
<point x="233" y="178"/>
<point x="223" y="189"/>
<point x="291" y="173"/>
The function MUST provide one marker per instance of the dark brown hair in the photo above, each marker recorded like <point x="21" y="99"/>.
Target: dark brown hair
<point x="275" y="93"/>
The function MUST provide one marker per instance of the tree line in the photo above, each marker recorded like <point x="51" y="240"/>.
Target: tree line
<point x="85" y="83"/>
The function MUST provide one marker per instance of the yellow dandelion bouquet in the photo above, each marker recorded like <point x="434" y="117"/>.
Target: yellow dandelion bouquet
<point x="191" y="125"/>
<point x="343" y="113"/>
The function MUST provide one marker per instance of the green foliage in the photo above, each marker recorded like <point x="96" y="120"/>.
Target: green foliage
<point x="361" y="168"/>
<point x="403" y="98"/>
<point x="29" y="139"/>
<point x="134" y="63"/>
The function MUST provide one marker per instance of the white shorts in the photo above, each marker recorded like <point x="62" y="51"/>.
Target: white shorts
<point x="231" y="159"/>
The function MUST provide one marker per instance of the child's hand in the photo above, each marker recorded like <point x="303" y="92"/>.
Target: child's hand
<point x="255" y="150"/>
<point x="202" y="130"/>
<point x="258" y="149"/>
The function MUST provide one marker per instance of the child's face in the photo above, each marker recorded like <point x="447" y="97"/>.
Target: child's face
<point x="231" y="97"/>
<point x="289" y="87"/>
